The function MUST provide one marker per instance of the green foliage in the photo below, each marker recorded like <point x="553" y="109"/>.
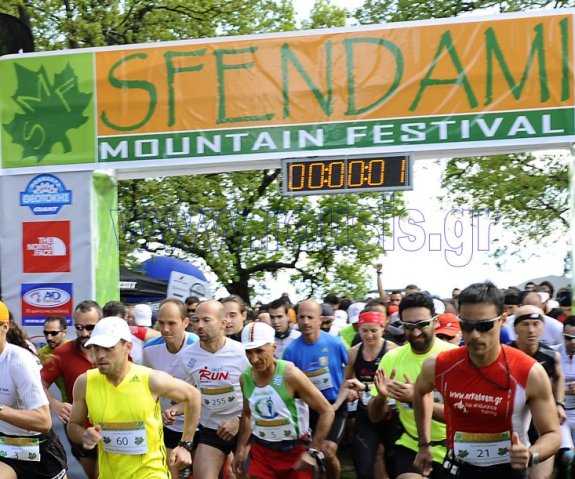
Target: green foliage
<point x="385" y="11"/>
<point x="325" y="15"/>
<point x="529" y="193"/>
<point x="244" y="230"/>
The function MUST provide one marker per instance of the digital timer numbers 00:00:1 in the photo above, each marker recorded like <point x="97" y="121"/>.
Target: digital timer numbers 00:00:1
<point x="339" y="175"/>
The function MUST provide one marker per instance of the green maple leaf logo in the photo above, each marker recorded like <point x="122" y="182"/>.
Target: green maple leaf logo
<point x="49" y="110"/>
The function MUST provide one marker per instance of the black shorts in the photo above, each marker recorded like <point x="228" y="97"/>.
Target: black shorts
<point x="78" y="450"/>
<point x="209" y="437"/>
<point x="337" y="428"/>
<point x="404" y="459"/>
<point x="52" y="464"/>
<point x="171" y="438"/>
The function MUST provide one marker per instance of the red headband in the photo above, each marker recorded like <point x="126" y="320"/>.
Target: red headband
<point x="371" y="317"/>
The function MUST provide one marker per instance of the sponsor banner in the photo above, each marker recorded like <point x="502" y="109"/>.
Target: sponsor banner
<point x="45" y="195"/>
<point x="40" y="300"/>
<point x="428" y="85"/>
<point x="406" y="133"/>
<point x="46" y="246"/>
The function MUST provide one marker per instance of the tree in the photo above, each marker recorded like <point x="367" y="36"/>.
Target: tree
<point x="529" y="193"/>
<point x="243" y="230"/>
<point x="236" y="223"/>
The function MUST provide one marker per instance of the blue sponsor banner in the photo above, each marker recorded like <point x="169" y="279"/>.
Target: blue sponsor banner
<point x="40" y="300"/>
<point x="45" y="195"/>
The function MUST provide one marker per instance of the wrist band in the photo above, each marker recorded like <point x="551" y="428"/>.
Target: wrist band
<point x="560" y="403"/>
<point x="425" y="444"/>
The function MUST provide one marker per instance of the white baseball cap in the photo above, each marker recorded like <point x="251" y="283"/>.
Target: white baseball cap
<point x="109" y="331"/>
<point x="257" y="334"/>
<point x="353" y="312"/>
<point x="142" y="315"/>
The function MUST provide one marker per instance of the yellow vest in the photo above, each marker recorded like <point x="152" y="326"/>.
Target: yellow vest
<point x="130" y="407"/>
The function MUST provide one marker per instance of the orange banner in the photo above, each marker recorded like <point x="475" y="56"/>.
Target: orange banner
<point x="389" y="72"/>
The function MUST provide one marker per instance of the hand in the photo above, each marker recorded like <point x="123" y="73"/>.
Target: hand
<point x="169" y="415"/>
<point x="402" y="392"/>
<point x="352" y="395"/>
<point x="62" y="410"/>
<point x="354" y="384"/>
<point x="305" y="462"/>
<point x="180" y="458"/>
<point x="91" y="437"/>
<point x="519" y="453"/>
<point x="238" y="462"/>
<point x="381" y="382"/>
<point x="378" y="267"/>
<point x="424" y="461"/>
<point x="228" y="429"/>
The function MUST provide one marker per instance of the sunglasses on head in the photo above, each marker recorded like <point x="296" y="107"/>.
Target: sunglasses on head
<point x="481" y="326"/>
<point x="422" y="324"/>
<point x="87" y="327"/>
<point x="52" y="333"/>
<point x="568" y="337"/>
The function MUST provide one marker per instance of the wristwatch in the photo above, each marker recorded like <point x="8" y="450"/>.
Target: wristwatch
<point x="187" y="445"/>
<point x="533" y="459"/>
<point x="317" y="455"/>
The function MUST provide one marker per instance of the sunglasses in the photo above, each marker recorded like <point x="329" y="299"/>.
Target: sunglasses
<point x="481" y="326"/>
<point x="568" y="337"/>
<point x="53" y="333"/>
<point x="421" y="325"/>
<point x="87" y="327"/>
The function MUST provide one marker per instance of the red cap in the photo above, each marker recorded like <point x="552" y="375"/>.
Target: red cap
<point x="448" y="324"/>
<point x="371" y="317"/>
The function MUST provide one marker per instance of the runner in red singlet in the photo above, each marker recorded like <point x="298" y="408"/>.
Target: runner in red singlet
<point x="489" y="390"/>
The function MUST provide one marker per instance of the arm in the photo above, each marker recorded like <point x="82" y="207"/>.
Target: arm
<point x="380" y="288"/>
<point x="558" y="387"/>
<point x="151" y="334"/>
<point x="423" y="410"/>
<point x="348" y="374"/>
<point x="50" y="372"/>
<point x="303" y="388"/>
<point x="37" y="419"/>
<point x="162" y="384"/>
<point x="540" y="401"/>
<point x="79" y="416"/>
<point x="243" y="436"/>
<point x="300" y="386"/>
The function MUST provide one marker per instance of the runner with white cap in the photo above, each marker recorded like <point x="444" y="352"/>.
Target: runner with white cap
<point x="120" y="399"/>
<point x="275" y="416"/>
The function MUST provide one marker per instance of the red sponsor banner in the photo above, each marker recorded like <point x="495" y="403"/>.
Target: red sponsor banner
<point x="46" y="246"/>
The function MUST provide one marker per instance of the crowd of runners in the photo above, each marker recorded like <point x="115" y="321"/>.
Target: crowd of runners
<point x="481" y="384"/>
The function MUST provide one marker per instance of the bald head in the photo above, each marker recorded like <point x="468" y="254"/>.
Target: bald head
<point x="213" y="308"/>
<point x="533" y="299"/>
<point x="309" y="319"/>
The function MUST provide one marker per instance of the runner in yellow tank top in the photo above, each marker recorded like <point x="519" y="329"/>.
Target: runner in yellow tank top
<point x="121" y="400"/>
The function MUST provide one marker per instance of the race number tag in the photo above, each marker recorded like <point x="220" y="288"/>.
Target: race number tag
<point x="274" y="430"/>
<point x="320" y="378"/>
<point x="218" y="399"/>
<point x="124" y="437"/>
<point x="482" y="449"/>
<point x="20" y="448"/>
